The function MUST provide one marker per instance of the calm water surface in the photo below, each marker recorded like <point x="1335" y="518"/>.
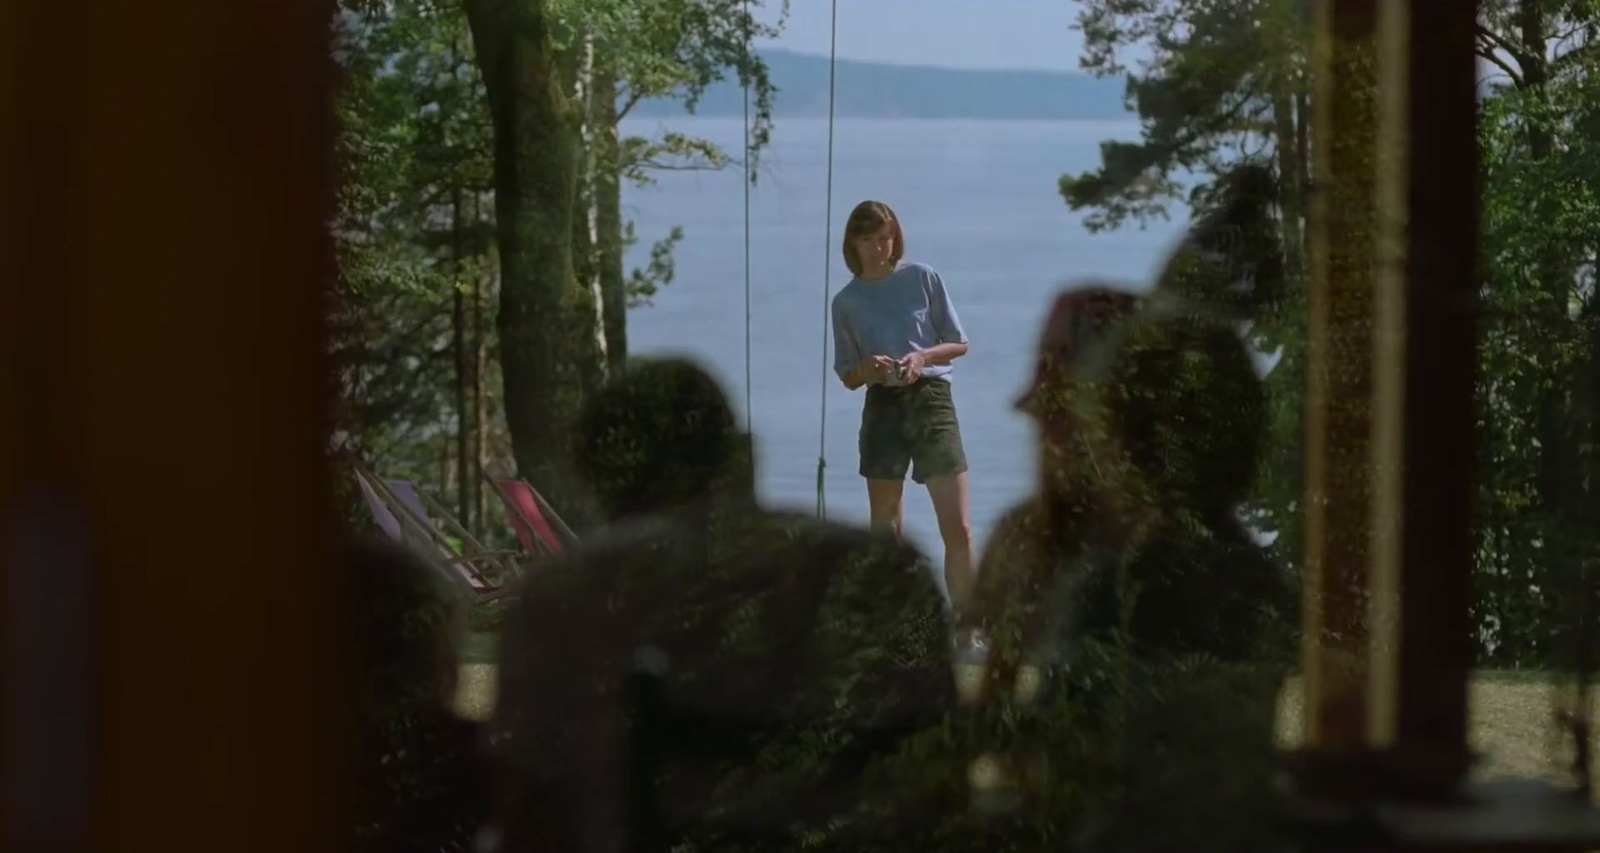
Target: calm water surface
<point x="979" y="203"/>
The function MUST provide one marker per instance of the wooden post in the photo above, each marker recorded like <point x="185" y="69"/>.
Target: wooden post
<point x="1391" y="403"/>
<point x="163" y="499"/>
<point x="1339" y="372"/>
<point x="1434" y="654"/>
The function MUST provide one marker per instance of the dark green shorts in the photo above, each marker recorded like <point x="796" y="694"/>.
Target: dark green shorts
<point x="912" y="428"/>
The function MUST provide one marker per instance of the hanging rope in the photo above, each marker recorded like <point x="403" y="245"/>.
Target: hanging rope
<point x="827" y="270"/>
<point x="749" y="177"/>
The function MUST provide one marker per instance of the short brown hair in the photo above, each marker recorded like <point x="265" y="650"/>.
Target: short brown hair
<point x="868" y="217"/>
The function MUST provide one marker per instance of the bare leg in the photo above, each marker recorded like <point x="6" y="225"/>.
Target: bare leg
<point x="884" y="499"/>
<point x="949" y="495"/>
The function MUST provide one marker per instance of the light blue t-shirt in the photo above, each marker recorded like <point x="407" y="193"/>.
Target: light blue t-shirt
<point x="905" y="311"/>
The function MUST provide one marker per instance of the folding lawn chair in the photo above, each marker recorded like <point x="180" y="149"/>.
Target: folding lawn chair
<point x="538" y="527"/>
<point x="406" y="514"/>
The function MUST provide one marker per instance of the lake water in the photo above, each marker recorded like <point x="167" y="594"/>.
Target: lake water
<point x="979" y="203"/>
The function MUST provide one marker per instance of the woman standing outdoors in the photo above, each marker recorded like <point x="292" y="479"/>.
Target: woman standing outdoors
<point x="896" y="332"/>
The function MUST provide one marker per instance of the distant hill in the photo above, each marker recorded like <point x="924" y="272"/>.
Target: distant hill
<point x="880" y="90"/>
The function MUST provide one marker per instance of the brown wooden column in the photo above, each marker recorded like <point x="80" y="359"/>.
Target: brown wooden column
<point x="1339" y="372"/>
<point x="1442" y="281"/>
<point x="1391" y="412"/>
<point x="1424" y="369"/>
<point x="169" y="608"/>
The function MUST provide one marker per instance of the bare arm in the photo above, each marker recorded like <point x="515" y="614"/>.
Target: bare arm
<point x="937" y="354"/>
<point x="856" y="376"/>
<point x="943" y="353"/>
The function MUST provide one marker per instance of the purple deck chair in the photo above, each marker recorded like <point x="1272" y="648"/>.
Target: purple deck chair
<point x="402" y="512"/>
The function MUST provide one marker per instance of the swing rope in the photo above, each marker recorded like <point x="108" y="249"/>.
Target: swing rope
<point x="749" y="178"/>
<point x="827" y="269"/>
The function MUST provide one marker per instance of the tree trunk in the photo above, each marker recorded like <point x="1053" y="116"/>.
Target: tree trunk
<point x="608" y="212"/>
<point x="458" y="330"/>
<point x="1302" y="136"/>
<point x="1291" y="120"/>
<point x="548" y="354"/>
<point x="579" y="70"/>
<point x="480" y="397"/>
<point x="1339" y="377"/>
<point x="1291" y="195"/>
<point x="445" y="474"/>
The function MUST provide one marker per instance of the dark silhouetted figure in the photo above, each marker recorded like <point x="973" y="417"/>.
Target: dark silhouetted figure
<point x="1198" y="621"/>
<point x="1230" y="265"/>
<point x="704" y="669"/>
<point x="1126" y="600"/>
<point x="421" y="787"/>
<point x="1082" y="513"/>
<point x="1078" y="512"/>
<point x="1169" y="442"/>
<point x="1190" y="414"/>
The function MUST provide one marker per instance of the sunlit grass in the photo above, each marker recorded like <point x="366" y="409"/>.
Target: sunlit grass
<point x="1510" y="724"/>
<point x="475" y="696"/>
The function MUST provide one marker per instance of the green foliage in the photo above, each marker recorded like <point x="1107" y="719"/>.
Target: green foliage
<point x="1204" y="98"/>
<point x="419" y="787"/>
<point x="414" y="143"/>
<point x="643" y="283"/>
<point x="1541" y="197"/>
<point x="640" y="158"/>
<point x="664" y="49"/>
<point x="676" y="49"/>
<point x="1227" y="83"/>
<point x="415" y="223"/>
<point x="1124" y="755"/>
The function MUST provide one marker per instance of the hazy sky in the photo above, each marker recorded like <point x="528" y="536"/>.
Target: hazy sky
<point x="959" y="33"/>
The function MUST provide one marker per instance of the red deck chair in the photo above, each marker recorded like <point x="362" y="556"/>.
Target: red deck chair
<point x="537" y="525"/>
